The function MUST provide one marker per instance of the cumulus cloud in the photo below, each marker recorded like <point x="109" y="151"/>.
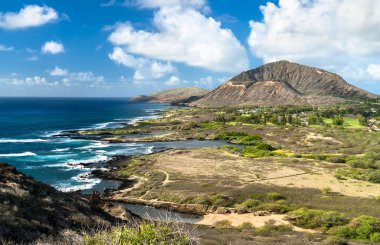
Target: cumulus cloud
<point x="374" y="70"/>
<point x="183" y="35"/>
<point x="58" y="72"/>
<point x="339" y="35"/>
<point x="4" y="48"/>
<point x="173" y="81"/>
<point x="144" y="68"/>
<point x="28" y="16"/>
<point x="52" y="47"/>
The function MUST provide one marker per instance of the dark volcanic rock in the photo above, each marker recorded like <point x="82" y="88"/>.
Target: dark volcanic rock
<point x="282" y="83"/>
<point x="30" y="209"/>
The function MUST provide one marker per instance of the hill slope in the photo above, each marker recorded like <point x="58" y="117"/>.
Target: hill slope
<point x="176" y="95"/>
<point x="30" y="209"/>
<point x="281" y="83"/>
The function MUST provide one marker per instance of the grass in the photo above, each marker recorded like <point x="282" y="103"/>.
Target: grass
<point x="349" y="123"/>
<point x="145" y="233"/>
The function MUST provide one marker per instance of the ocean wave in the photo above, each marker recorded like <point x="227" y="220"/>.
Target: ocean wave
<point x="98" y="158"/>
<point x="60" y="150"/>
<point x="88" y="184"/>
<point x="21" y="140"/>
<point x="94" y="146"/>
<point x="149" y="150"/>
<point x="23" y="154"/>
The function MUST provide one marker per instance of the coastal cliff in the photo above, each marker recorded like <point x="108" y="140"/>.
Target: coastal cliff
<point x="176" y="95"/>
<point x="31" y="210"/>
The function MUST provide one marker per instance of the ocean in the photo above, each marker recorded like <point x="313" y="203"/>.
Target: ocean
<point x="28" y="141"/>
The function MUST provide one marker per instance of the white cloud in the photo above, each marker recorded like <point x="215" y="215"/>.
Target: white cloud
<point x="339" y="35"/>
<point x="29" y="16"/>
<point x="183" y="35"/>
<point x="87" y="76"/>
<point x="58" y="72"/>
<point x="52" y="47"/>
<point x="173" y="81"/>
<point x="171" y="3"/>
<point x="144" y="68"/>
<point x="6" y="48"/>
<point x="31" y="81"/>
<point x="374" y="71"/>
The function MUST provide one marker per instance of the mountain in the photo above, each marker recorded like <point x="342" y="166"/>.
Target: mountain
<point x="30" y="209"/>
<point x="282" y="83"/>
<point x="175" y="95"/>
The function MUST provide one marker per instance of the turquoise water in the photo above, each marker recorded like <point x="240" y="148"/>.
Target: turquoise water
<point x="27" y="136"/>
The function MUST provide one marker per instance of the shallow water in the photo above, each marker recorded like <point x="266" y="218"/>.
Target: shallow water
<point x="152" y="213"/>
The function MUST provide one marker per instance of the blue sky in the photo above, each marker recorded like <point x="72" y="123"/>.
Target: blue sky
<point x="130" y="47"/>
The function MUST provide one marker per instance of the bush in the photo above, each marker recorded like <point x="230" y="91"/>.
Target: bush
<point x="255" y="152"/>
<point x="375" y="237"/>
<point x="314" y="219"/>
<point x="230" y="135"/>
<point x="274" y="196"/>
<point x="223" y="224"/>
<point x="273" y="207"/>
<point x="341" y="231"/>
<point x="365" y="226"/>
<point x="269" y="230"/>
<point x="145" y="233"/>
<point x="250" y="203"/>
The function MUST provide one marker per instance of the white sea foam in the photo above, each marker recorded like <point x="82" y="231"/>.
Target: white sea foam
<point x="98" y="158"/>
<point x="94" y="146"/>
<point x="21" y="140"/>
<point x="149" y="150"/>
<point x="23" y="154"/>
<point x="88" y="184"/>
<point x="60" y="150"/>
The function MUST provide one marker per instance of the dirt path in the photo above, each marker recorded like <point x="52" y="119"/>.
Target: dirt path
<point x="121" y="193"/>
<point x="257" y="221"/>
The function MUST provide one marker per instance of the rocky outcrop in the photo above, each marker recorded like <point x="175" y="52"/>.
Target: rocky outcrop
<point x="30" y="209"/>
<point x="282" y="83"/>
<point x="176" y="95"/>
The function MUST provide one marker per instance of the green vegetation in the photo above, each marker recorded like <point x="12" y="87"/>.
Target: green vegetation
<point x="337" y="224"/>
<point x="362" y="228"/>
<point x="254" y="146"/>
<point x="145" y="233"/>
<point x="317" y="219"/>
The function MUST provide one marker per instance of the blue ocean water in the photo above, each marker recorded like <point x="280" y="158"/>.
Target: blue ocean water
<point x="28" y="126"/>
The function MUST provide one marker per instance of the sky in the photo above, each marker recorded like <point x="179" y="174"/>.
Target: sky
<point x="123" y="48"/>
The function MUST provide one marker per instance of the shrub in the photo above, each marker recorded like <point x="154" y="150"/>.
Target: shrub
<point x="250" y="140"/>
<point x="250" y="203"/>
<point x="223" y="224"/>
<point x="313" y="219"/>
<point x="254" y="152"/>
<point x="230" y="135"/>
<point x="341" y="231"/>
<point x="364" y="226"/>
<point x="273" y="207"/>
<point x="375" y="237"/>
<point x="274" y="196"/>
<point x="145" y="233"/>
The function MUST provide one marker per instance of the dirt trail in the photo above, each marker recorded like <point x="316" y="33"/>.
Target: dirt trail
<point x="257" y="221"/>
